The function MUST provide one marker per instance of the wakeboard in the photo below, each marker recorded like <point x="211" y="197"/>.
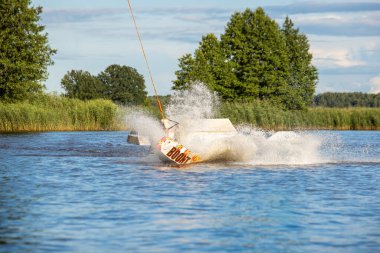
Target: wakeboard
<point x="175" y="152"/>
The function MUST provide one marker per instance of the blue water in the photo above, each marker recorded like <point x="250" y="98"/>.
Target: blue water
<point x="93" y="192"/>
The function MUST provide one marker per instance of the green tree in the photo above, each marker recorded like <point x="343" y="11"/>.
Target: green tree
<point x="255" y="45"/>
<point x="24" y="50"/>
<point x="82" y="85"/>
<point x="186" y="74"/>
<point x="209" y="66"/>
<point x="303" y="75"/>
<point x="252" y="60"/>
<point x="123" y="84"/>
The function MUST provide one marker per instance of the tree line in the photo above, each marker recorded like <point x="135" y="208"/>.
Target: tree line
<point x="347" y="99"/>
<point x="254" y="59"/>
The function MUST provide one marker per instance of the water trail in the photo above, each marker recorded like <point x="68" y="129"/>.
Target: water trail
<point x="248" y="145"/>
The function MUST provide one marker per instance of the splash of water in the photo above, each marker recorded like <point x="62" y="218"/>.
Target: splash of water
<point x="144" y="124"/>
<point x="247" y="145"/>
<point x="286" y="147"/>
<point x="198" y="102"/>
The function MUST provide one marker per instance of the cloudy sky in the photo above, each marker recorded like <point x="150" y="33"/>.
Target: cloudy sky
<point x="91" y="35"/>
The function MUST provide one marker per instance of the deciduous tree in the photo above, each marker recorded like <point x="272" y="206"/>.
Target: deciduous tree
<point x="82" y="85"/>
<point x="254" y="44"/>
<point x="24" y="50"/>
<point x="253" y="59"/>
<point x="123" y="84"/>
<point x="303" y="75"/>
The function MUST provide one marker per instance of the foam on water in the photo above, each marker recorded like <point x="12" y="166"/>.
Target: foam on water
<point x="249" y="145"/>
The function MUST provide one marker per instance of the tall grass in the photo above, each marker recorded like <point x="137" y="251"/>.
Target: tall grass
<point x="54" y="113"/>
<point x="266" y="116"/>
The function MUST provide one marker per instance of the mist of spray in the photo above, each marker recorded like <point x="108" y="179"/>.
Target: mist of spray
<point x="144" y="124"/>
<point x="198" y="102"/>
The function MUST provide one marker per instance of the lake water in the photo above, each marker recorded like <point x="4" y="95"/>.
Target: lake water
<point x="94" y="192"/>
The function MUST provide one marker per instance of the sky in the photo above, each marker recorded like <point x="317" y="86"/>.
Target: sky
<point x="344" y="36"/>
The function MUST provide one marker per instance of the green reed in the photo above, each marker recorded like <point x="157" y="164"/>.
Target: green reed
<point x="266" y="116"/>
<point x="55" y="113"/>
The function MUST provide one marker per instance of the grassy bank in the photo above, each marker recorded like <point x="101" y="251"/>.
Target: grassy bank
<point x="265" y="116"/>
<point x="54" y="113"/>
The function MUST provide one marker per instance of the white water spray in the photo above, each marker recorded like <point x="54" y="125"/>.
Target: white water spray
<point x="249" y="145"/>
<point x="198" y="102"/>
<point x="144" y="124"/>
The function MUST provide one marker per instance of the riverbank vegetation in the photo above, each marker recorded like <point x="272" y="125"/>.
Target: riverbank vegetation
<point x="262" y="72"/>
<point x="56" y="113"/>
<point x="263" y="115"/>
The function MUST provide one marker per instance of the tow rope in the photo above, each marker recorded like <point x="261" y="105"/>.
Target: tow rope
<point x="146" y="61"/>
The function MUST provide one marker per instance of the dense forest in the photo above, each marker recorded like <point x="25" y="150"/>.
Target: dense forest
<point x="347" y="99"/>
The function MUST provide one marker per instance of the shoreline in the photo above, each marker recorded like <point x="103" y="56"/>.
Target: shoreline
<point x="128" y="130"/>
<point x="48" y="113"/>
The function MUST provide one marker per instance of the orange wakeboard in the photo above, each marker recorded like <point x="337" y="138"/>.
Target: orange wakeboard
<point x="173" y="151"/>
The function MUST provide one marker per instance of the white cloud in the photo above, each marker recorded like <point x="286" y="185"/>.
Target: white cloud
<point x="375" y="84"/>
<point x="344" y="36"/>
<point x="332" y="52"/>
<point x="330" y="57"/>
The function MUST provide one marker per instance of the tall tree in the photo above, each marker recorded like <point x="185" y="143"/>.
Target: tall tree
<point x="209" y="66"/>
<point x="24" y="50"/>
<point x="123" y="84"/>
<point x="256" y="47"/>
<point x="82" y="85"/>
<point x="252" y="60"/>
<point x="186" y="74"/>
<point x="248" y="62"/>
<point x="303" y="75"/>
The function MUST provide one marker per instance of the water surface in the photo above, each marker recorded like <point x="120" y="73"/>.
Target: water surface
<point x="94" y="192"/>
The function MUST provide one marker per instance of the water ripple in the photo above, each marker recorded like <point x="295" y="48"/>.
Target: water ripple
<point x="93" y="192"/>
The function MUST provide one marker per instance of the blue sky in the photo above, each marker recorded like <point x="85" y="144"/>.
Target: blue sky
<point x="344" y="36"/>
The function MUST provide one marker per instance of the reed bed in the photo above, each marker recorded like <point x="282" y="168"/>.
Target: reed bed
<point x="55" y="113"/>
<point x="266" y="116"/>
